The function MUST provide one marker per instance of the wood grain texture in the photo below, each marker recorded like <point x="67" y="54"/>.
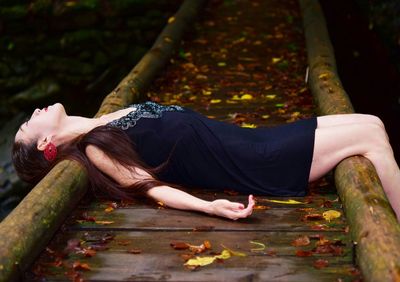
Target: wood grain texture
<point x="159" y="261"/>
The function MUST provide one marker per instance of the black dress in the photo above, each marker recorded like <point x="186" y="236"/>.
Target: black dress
<point x="207" y="153"/>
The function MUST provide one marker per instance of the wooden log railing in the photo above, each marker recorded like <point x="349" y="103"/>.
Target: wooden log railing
<point x="373" y="224"/>
<point x="30" y="226"/>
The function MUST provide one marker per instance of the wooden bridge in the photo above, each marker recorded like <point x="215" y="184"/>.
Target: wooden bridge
<point x="252" y="78"/>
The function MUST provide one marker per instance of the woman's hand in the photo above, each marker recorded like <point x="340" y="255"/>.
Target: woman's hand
<point x="230" y="209"/>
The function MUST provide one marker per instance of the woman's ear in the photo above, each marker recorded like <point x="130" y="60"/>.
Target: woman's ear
<point x="43" y="142"/>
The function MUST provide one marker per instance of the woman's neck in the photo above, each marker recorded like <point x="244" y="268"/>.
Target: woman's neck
<point x="73" y="126"/>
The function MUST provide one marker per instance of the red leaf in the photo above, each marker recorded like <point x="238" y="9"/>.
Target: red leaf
<point x="301" y="253"/>
<point x="320" y="263"/>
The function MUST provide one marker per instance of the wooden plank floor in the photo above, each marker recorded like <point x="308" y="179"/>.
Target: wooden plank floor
<point x="238" y="48"/>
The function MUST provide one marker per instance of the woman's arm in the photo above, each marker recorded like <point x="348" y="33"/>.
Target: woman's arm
<point x="169" y="196"/>
<point x="178" y="199"/>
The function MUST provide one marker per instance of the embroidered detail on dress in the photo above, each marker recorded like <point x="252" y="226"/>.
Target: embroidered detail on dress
<point x="148" y="109"/>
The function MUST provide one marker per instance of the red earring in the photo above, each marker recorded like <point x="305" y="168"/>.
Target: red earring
<point x="50" y="152"/>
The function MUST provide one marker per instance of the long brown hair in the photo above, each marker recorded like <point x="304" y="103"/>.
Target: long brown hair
<point x="31" y="166"/>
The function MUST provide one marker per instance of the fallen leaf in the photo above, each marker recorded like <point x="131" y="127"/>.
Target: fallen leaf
<point x="301" y="253"/>
<point x="290" y="202"/>
<point x="134" y="251"/>
<point x="260" y="248"/>
<point x="215" y="101"/>
<point x="275" y="60"/>
<point x="248" y="125"/>
<point x="260" y="207"/>
<point x="246" y="97"/>
<point x="80" y="266"/>
<point x="109" y="209"/>
<point x="270" y="96"/>
<point x="331" y="214"/>
<point x="320" y="263"/>
<point x="103" y="222"/>
<point x="179" y="245"/>
<point x="301" y="241"/>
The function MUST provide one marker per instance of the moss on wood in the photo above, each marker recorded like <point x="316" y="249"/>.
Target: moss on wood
<point x="373" y="224"/>
<point x="27" y="230"/>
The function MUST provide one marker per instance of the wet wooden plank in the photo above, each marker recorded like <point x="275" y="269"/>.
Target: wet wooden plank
<point x="171" y="219"/>
<point x="159" y="261"/>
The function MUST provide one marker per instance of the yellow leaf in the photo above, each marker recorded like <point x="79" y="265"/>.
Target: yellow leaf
<point x="270" y="96"/>
<point x="221" y="64"/>
<point x="275" y="60"/>
<point x="248" y="125"/>
<point x="225" y="254"/>
<point x="290" y="202"/>
<point x="104" y="222"/>
<point x="265" y="116"/>
<point x="206" y="92"/>
<point x="331" y="214"/>
<point x="200" y="261"/>
<point x="262" y="246"/>
<point x="215" y="101"/>
<point x="236" y="97"/>
<point x="323" y="75"/>
<point x="109" y="209"/>
<point x="246" y="97"/>
<point x="171" y="19"/>
<point x="234" y="253"/>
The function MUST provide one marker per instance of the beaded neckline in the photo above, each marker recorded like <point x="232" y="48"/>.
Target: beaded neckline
<point x="148" y="109"/>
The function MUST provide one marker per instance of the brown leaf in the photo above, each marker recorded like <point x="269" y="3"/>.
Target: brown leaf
<point x="179" y="245"/>
<point x="134" y="251"/>
<point x="301" y="241"/>
<point x="123" y="242"/>
<point x="320" y="263"/>
<point x="301" y="253"/>
<point x="187" y="256"/>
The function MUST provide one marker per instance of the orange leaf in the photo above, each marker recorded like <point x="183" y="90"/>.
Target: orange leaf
<point x="301" y="241"/>
<point x="80" y="266"/>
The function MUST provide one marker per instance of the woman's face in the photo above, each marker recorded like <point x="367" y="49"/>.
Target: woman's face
<point x="43" y="122"/>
